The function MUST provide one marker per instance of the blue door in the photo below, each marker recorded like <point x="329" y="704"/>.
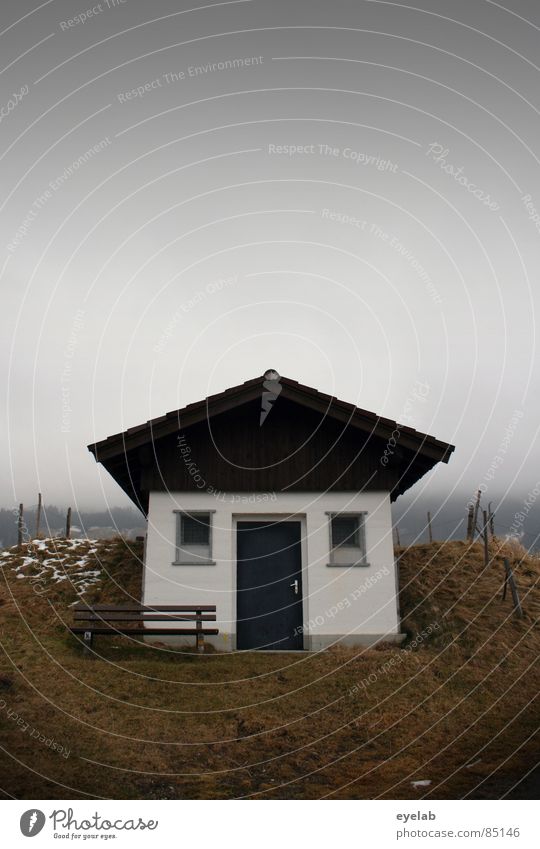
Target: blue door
<point x="269" y="586"/>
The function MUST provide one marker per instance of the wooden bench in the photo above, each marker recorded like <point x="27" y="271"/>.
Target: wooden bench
<point x="112" y="620"/>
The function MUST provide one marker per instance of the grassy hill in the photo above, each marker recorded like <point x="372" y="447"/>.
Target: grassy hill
<point x="457" y="706"/>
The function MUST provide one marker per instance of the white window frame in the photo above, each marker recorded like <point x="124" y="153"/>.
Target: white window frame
<point x="178" y="538"/>
<point x="361" y="515"/>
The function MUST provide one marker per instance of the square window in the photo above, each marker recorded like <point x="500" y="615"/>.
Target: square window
<point x="193" y="538"/>
<point x="345" y="531"/>
<point x="347" y="540"/>
<point x="195" y="529"/>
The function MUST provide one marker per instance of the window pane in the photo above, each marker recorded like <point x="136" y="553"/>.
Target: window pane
<point x="345" y="531"/>
<point x="195" y="530"/>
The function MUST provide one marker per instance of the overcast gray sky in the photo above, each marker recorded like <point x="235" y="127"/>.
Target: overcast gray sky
<point x="195" y="192"/>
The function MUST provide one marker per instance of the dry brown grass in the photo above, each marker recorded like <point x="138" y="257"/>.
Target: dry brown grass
<point x="459" y="708"/>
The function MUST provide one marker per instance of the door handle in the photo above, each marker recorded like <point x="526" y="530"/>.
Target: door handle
<point x="295" y="585"/>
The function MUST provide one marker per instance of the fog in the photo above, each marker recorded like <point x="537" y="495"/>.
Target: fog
<point x="347" y="193"/>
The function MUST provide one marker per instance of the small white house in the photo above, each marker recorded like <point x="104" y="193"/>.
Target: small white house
<point x="272" y="501"/>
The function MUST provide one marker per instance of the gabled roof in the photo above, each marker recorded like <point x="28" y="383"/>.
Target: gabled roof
<point x="363" y="420"/>
<point x="131" y="456"/>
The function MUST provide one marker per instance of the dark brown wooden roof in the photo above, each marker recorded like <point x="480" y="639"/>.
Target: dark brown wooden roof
<point x="309" y="441"/>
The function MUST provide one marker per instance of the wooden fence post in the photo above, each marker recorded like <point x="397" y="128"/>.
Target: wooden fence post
<point x="491" y="520"/>
<point x="20" y="525"/>
<point x="509" y="579"/>
<point x="470" y="522"/>
<point x="429" y="526"/>
<point x="476" y="509"/>
<point x="68" y="523"/>
<point x="38" y="515"/>
<point x="485" y="535"/>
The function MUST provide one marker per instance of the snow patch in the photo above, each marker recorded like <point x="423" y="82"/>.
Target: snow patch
<point x="53" y="568"/>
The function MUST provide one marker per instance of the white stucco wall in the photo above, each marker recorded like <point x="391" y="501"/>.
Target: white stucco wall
<point x="347" y="604"/>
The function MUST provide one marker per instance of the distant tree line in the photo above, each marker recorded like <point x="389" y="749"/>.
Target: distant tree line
<point x="54" y="518"/>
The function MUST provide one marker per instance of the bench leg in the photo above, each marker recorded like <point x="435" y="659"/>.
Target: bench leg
<point x="200" y="636"/>
<point x="88" y="636"/>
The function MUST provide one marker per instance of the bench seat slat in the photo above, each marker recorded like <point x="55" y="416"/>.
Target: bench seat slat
<point x="146" y="617"/>
<point x="138" y="608"/>
<point x="119" y="630"/>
